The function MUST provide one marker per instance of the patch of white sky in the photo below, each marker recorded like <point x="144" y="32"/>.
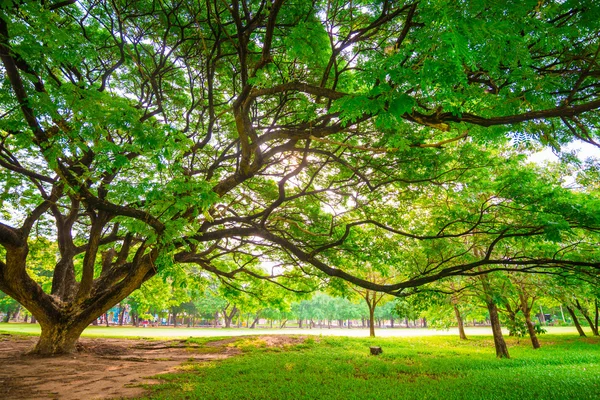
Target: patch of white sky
<point x="582" y="150"/>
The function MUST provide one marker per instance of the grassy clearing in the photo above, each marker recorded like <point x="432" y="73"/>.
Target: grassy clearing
<point x="566" y="367"/>
<point x="183" y="332"/>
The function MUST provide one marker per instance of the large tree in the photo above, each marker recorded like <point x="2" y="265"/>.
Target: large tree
<point x="139" y="134"/>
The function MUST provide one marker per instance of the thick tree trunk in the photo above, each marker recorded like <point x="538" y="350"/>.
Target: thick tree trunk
<point x="459" y="321"/>
<point x="499" y="343"/>
<point x="392" y="322"/>
<point x="576" y="322"/>
<point x="59" y="338"/>
<point x="300" y="323"/>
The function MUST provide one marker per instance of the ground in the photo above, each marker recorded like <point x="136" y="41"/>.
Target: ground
<point x="182" y="363"/>
<point x="102" y="368"/>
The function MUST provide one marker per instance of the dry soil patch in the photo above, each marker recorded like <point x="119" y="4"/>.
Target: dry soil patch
<point x="101" y="369"/>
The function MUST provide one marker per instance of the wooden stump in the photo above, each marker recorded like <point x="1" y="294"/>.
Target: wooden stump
<point x="376" y="350"/>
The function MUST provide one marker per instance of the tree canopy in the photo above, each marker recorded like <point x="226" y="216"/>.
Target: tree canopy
<point x="287" y="140"/>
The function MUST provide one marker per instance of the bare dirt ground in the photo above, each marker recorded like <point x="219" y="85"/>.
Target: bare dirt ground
<point x="104" y="368"/>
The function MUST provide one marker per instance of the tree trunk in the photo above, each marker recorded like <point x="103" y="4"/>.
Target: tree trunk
<point x="283" y="324"/>
<point x="59" y="338"/>
<point x="33" y="320"/>
<point x="531" y="329"/>
<point x="254" y="322"/>
<point x="576" y="322"/>
<point x="106" y="319"/>
<point x="121" y="314"/>
<point x="371" y="321"/>
<point x="406" y="322"/>
<point x="459" y="321"/>
<point x="585" y="314"/>
<point x="392" y="322"/>
<point x="300" y="323"/>
<point x="499" y="343"/>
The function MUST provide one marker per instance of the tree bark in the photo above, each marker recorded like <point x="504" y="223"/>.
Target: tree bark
<point x="121" y="314"/>
<point x="586" y="315"/>
<point x="499" y="343"/>
<point x="371" y="321"/>
<point x="531" y="329"/>
<point x="59" y="338"/>
<point x="459" y="321"/>
<point x="576" y="322"/>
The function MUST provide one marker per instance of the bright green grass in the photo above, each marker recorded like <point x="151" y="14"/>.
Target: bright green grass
<point x="566" y="367"/>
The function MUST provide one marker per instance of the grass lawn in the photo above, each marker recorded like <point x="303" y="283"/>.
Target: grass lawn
<point x="437" y="367"/>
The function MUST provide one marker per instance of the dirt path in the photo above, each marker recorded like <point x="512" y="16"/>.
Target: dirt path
<point x="102" y="369"/>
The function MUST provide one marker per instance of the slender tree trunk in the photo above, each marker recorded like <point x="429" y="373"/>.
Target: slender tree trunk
<point x="406" y="322"/>
<point x="106" y="319"/>
<point x="576" y="322"/>
<point x="254" y="322"/>
<point x="121" y="314"/>
<point x="371" y="321"/>
<point x="459" y="321"/>
<point x="499" y="343"/>
<point x="596" y="315"/>
<point x="531" y="329"/>
<point x="392" y="322"/>
<point x="283" y="324"/>
<point x="585" y="314"/>
<point x="300" y="323"/>
<point x="33" y="320"/>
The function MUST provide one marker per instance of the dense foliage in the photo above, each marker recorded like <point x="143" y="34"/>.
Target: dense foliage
<point x="287" y="140"/>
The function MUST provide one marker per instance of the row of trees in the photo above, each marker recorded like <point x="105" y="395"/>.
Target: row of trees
<point x="305" y="144"/>
<point x="511" y="299"/>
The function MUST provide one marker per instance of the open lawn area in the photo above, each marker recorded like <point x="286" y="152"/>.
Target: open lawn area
<point x="184" y="333"/>
<point x="437" y="366"/>
<point x="566" y="367"/>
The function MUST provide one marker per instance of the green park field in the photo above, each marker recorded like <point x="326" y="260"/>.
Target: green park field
<point x="415" y="364"/>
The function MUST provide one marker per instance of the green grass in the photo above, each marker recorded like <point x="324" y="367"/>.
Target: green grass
<point x="426" y="367"/>
<point x="566" y="367"/>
